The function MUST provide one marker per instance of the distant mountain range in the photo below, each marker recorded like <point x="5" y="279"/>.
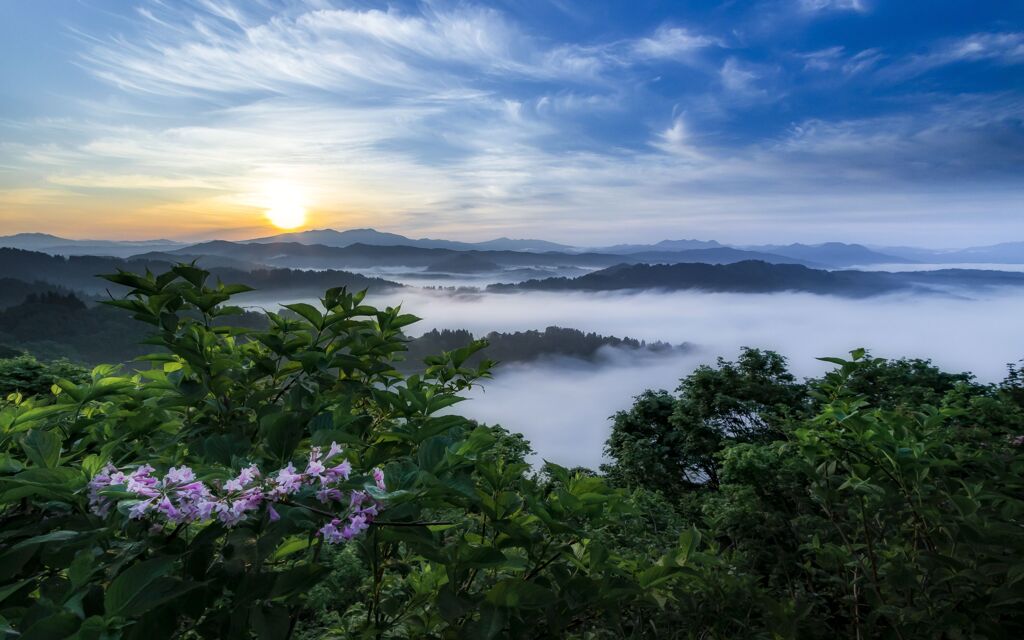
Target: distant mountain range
<point x="829" y="254"/>
<point x="332" y="238"/>
<point x="832" y="254"/>
<point x="362" y="256"/>
<point x="56" y="245"/>
<point x="1003" y="253"/>
<point x="664" y="245"/>
<point x="761" y="277"/>
<point x="271" y="269"/>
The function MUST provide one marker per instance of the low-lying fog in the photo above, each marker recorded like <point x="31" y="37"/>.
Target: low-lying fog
<point x="563" y="406"/>
<point x="918" y="266"/>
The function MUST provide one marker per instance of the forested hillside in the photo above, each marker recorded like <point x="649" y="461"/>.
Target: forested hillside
<point x="51" y="325"/>
<point x="527" y="346"/>
<point x="80" y="273"/>
<point x="754" y="276"/>
<point x="288" y="482"/>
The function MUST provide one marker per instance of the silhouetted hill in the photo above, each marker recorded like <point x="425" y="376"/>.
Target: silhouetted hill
<point x="760" y="277"/>
<point x="528" y="346"/>
<point x="464" y="263"/>
<point x="719" y="255"/>
<point x="1003" y="253"/>
<point x="364" y="256"/>
<point x="80" y="273"/>
<point x="334" y="238"/>
<point x="57" y="325"/>
<point x="664" y="245"/>
<point x="64" y="246"/>
<point x="832" y="254"/>
<point x="14" y="291"/>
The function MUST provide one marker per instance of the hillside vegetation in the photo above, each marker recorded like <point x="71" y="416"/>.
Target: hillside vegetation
<point x="287" y="481"/>
<point x="755" y="276"/>
<point x="51" y="325"/>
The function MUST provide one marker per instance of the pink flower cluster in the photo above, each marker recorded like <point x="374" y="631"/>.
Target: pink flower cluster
<point x="180" y="498"/>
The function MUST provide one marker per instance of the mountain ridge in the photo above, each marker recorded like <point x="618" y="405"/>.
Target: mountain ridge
<point x="833" y="254"/>
<point x="761" y="277"/>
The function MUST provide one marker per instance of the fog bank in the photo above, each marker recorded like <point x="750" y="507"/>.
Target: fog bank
<point x="564" y="408"/>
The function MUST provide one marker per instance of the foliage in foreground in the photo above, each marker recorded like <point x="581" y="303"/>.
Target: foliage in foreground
<point x="466" y="544"/>
<point x="884" y="500"/>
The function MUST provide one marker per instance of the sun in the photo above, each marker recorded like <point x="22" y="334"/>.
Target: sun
<point x="285" y="208"/>
<point x="288" y="216"/>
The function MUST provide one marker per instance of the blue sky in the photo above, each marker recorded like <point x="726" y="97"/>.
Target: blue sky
<point x="774" y="120"/>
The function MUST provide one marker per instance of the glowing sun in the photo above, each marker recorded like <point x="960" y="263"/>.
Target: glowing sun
<point x="285" y="208"/>
<point x="287" y="216"/>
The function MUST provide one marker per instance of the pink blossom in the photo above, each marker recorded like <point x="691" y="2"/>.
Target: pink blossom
<point x="378" y="477"/>
<point x="342" y="470"/>
<point x="179" y="497"/>
<point x="334" y="450"/>
<point x="179" y="475"/>
<point x="139" y="509"/>
<point x="331" y="533"/>
<point x="356" y="525"/>
<point x="287" y="481"/>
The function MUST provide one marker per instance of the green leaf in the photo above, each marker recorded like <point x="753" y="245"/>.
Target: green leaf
<point x="493" y="621"/>
<point x="297" y="580"/>
<point x="52" y="627"/>
<point x="10" y="464"/>
<point x="194" y="275"/>
<point x="130" y="584"/>
<point x="7" y="590"/>
<point x="431" y="452"/>
<point x="27" y="417"/>
<point x="290" y="546"/>
<point x="81" y="568"/>
<point x="309" y="312"/>
<point x="513" y="593"/>
<point x="688" y="541"/>
<point x="42" y="447"/>
<point x="53" y="536"/>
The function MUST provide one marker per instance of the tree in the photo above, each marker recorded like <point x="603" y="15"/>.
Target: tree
<point x="674" y="443"/>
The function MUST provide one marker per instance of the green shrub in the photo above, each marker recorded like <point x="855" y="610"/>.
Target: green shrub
<point x="467" y="545"/>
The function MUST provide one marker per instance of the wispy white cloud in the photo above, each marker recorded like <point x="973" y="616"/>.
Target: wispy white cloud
<point x="737" y="78"/>
<point x="836" y="58"/>
<point x="671" y="42"/>
<point x="1000" y="48"/>
<point x="858" y="6"/>
<point x="676" y="140"/>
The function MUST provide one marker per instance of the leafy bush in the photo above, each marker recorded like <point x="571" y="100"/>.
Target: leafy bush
<point x="882" y="500"/>
<point x="466" y="544"/>
<point x="27" y="376"/>
<point x="866" y="513"/>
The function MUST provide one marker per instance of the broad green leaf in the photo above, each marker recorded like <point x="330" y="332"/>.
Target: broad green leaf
<point x="132" y="583"/>
<point x="42" y="447"/>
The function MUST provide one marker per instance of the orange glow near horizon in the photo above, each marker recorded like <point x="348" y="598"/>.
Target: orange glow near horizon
<point x="285" y="205"/>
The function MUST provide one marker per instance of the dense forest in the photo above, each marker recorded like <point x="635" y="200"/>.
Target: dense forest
<point x="288" y="482"/>
<point x="79" y="273"/>
<point x="755" y="276"/>
<point x="527" y="346"/>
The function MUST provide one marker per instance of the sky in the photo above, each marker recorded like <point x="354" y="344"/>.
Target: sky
<point x="580" y="121"/>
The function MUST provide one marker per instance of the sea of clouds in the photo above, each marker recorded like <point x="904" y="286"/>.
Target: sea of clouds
<point x="563" y="406"/>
